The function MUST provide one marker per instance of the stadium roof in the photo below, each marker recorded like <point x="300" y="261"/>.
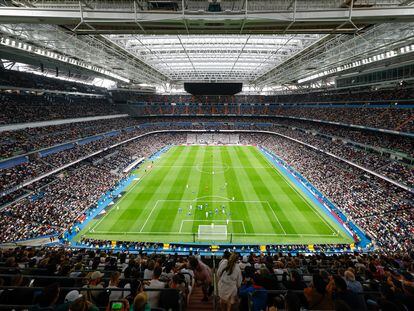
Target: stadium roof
<point x="259" y="42"/>
<point x="213" y="57"/>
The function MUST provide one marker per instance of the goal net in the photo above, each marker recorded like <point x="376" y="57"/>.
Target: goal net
<point x="212" y="232"/>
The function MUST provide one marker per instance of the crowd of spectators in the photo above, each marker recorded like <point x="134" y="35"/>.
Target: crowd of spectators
<point x="365" y="199"/>
<point x="38" y="166"/>
<point x="26" y="107"/>
<point x="21" y="108"/>
<point x="371" y="160"/>
<point x="398" y="143"/>
<point x="35" y="138"/>
<point x="386" y="118"/>
<point x="96" y="278"/>
<point x="359" y="96"/>
<point x="17" y="142"/>
<point x="29" y="139"/>
<point x="54" y="208"/>
<point x="389" y="117"/>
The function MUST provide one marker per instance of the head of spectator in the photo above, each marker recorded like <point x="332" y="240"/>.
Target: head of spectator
<point x="95" y="278"/>
<point x="231" y="264"/>
<point x="295" y="276"/>
<point x="82" y="304"/>
<point x="340" y="284"/>
<point x="352" y="283"/>
<point x="193" y="261"/>
<point x="115" y="278"/>
<point x="140" y="301"/>
<point x="111" y="264"/>
<point x="318" y="283"/>
<point x="72" y="296"/>
<point x="157" y="273"/>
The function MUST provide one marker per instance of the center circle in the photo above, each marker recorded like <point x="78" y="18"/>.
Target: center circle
<point x="211" y="168"/>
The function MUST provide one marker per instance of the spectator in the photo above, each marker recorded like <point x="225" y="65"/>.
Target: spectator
<point x="230" y="278"/>
<point x="155" y="284"/>
<point x="82" y="304"/>
<point x="352" y="284"/>
<point x="337" y="286"/>
<point x="141" y="302"/>
<point x="113" y="284"/>
<point x="316" y="295"/>
<point x="94" y="282"/>
<point x="258" y="292"/>
<point x="149" y="271"/>
<point x="70" y="297"/>
<point x="202" y="276"/>
<point x="49" y="296"/>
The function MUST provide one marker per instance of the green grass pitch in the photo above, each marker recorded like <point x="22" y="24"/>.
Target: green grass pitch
<point x="237" y="187"/>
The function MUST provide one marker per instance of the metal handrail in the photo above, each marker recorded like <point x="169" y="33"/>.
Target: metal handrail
<point x="215" y="289"/>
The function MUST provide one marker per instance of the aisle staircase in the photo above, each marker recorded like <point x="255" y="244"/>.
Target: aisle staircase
<point x="195" y="303"/>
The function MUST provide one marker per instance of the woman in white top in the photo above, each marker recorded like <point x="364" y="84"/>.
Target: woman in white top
<point x="149" y="271"/>
<point x="230" y="279"/>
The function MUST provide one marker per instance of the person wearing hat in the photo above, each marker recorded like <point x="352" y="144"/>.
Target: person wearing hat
<point x="69" y="299"/>
<point x="72" y="296"/>
<point x="94" y="281"/>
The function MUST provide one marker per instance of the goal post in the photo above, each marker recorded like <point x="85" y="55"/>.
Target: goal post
<point x="212" y="232"/>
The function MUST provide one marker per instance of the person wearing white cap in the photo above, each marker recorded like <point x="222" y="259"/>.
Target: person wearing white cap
<point x="72" y="296"/>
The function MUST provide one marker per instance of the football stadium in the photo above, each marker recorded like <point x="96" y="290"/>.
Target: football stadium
<point x="174" y="155"/>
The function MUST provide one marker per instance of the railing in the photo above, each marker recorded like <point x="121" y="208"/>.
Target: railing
<point x="215" y="291"/>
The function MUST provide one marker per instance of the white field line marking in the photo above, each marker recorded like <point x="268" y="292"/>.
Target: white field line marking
<point x="247" y="234"/>
<point x="113" y="207"/>
<point x="294" y="234"/>
<point x="244" y="228"/>
<point x="152" y="210"/>
<point x="213" y="166"/>
<point x="181" y="226"/>
<point x="212" y="220"/>
<point x="211" y="196"/>
<point x="305" y="199"/>
<point x="277" y="219"/>
<point x="215" y="201"/>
